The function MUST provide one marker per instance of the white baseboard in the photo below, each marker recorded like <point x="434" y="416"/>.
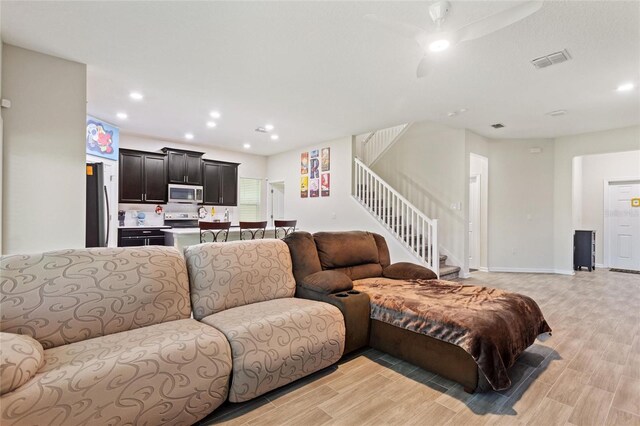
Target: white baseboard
<point x="483" y="269"/>
<point x="531" y="270"/>
<point x="600" y="265"/>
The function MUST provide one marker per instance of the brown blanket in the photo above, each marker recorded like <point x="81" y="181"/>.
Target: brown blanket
<point x="493" y="326"/>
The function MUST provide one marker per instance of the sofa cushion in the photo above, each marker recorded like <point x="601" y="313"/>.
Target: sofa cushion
<point x="342" y="249"/>
<point x="170" y="373"/>
<point x="304" y="254"/>
<point x="20" y="358"/>
<point x="327" y="282"/>
<point x="358" y="272"/>
<point x="383" y="250"/>
<point x="278" y="341"/>
<point x="408" y="271"/>
<point x="226" y="275"/>
<point x="67" y="296"/>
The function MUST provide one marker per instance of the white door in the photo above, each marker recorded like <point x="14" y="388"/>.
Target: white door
<point x="277" y="201"/>
<point x="474" y="222"/>
<point x="624" y="225"/>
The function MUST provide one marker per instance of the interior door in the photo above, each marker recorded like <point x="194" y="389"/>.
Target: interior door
<point x="624" y="229"/>
<point x="474" y="222"/>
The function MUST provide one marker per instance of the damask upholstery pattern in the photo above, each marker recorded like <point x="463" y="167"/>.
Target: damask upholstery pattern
<point x="72" y="295"/>
<point x="20" y="359"/>
<point x="170" y="373"/>
<point x="226" y="275"/>
<point x="279" y="341"/>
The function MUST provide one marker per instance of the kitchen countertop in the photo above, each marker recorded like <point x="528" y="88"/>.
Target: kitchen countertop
<point x="144" y="227"/>
<point x="233" y="228"/>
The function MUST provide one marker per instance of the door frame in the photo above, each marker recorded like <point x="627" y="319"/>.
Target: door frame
<point x="270" y="198"/>
<point x="606" y="258"/>
<point x="476" y="248"/>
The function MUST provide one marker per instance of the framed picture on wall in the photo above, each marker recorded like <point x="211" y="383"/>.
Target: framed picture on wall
<point x="102" y="139"/>
<point x="314" y="188"/>
<point x="325" y="159"/>
<point x="304" y="186"/>
<point x="325" y="184"/>
<point x="304" y="163"/>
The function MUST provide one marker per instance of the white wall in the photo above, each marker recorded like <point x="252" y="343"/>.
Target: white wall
<point x="428" y="166"/>
<point x="251" y="166"/>
<point x="566" y="148"/>
<point x="339" y="211"/>
<point x="595" y="169"/>
<point x="44" y="152"/>
<point x="521" y="205"/>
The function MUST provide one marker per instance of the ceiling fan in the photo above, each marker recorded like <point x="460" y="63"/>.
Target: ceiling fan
<point x="433" y="42"/>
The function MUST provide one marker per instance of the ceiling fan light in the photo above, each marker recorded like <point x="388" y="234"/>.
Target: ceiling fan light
<point x="439" y="45"/>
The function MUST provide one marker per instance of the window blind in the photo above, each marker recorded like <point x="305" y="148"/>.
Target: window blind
<point x="249" y="205"/>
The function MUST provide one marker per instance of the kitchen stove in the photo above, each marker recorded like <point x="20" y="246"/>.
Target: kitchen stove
<point x="181" y="220"/>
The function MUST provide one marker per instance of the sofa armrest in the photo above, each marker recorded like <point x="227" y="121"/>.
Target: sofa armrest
<point x="20" y="359"/>
<point x="408" y="271"/>
<point x="354" y="306"/>
<point x="327" y="282"/>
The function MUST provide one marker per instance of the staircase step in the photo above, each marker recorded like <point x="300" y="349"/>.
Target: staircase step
<point x="443" y="259"/>
<point x="449" y="272"/>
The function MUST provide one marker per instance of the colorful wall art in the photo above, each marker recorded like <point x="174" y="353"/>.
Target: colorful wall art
<point x="314" y="184"/>
<point x="325" y="184"/>
<point x="304" y="163"/>
<point x="304" y="186"/>
<point x="102" y="139"/>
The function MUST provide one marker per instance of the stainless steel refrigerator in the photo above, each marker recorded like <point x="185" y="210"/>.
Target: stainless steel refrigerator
<point x="97" y="220"/>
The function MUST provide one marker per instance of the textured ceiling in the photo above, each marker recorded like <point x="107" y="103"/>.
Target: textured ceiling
<point x="319" y="71"/>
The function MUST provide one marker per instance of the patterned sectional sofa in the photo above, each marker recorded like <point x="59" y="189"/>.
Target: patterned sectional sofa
<point x="105" y="336"/>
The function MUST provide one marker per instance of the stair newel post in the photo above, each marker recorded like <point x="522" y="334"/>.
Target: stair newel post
<point x="435" y="256"/>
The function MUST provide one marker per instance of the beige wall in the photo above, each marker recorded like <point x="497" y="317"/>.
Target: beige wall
<point x="44" y="152"/>
<point x="427" y="166"/>
<point x="338" y="212"/>
<point x="566" y="148"/>
<point x="521" y="205"/>
<point x="594" y="170"/>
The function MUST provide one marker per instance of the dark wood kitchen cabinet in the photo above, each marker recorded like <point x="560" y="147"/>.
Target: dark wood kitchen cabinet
<point x="142" y="177"/>
<point x="184" y="166"/>
<point x="220" y="182"/>
<point x="132" y="237"/>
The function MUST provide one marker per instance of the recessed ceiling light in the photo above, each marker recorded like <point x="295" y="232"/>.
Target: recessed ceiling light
<point x="439" y="45"/>
<point x="211" y="124"/>
<point x="214" y="114"/>
<point x="452" y="114"/>
<point x="246" y="146"/>
<point x="268" y="127"/>
<point x="625" y="87"/>
<point x="463" y="110"/>
<point x="136" y="96"/>
<point x="274" y="137"/>
<point x="122" y="115"/>
<point x="188" y="136"/>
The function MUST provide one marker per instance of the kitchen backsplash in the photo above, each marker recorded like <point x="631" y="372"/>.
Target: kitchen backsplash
<point x="153" y="219"/>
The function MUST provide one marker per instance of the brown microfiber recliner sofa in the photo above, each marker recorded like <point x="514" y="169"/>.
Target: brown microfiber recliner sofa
<point x="391" y="307"/>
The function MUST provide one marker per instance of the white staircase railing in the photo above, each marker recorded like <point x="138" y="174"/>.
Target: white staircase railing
<point x="409" y="225"/>
<point x="377" y="142"/>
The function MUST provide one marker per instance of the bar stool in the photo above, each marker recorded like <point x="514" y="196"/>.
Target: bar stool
<point x="284" y="227"/>
<point x="217" y="231"/>
<point x="255" y="230"/>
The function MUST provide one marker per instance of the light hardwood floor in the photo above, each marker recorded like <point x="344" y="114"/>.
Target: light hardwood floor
<point x="586" y="373"/>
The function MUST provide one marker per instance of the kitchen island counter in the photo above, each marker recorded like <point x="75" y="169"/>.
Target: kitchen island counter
<point x="183" y="237"/>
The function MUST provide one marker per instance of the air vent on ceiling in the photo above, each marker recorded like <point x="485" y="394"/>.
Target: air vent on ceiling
<point x="497" y="126"/>
<point x="557" y="113"/>
<point x="261" y="130"/>
<point x="551" y="59"/>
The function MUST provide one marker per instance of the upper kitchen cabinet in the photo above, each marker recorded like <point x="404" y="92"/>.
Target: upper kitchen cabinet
<point x="220" y="181"/>
<point x="142" y="177"/>
<point x="184" y="166"/>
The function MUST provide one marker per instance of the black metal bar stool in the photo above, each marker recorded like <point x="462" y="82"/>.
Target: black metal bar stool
<point x="284" y="227"/>
<point x="252" y="230"/>
<point x="218" y="231"/>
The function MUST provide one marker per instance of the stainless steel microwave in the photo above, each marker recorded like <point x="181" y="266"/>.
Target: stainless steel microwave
<point x="189" y="194"/>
